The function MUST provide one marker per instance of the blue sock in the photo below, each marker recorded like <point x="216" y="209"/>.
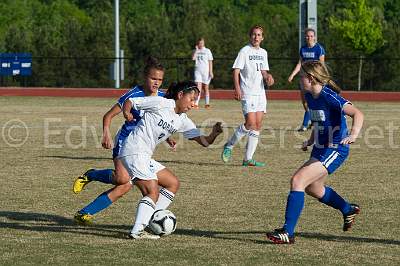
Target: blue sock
<point x="306" y="118"/>
<point x="331" y="198"/>
<point x="104" y="175"/>
<point x="99" y="204"/>
<point x="294" y="206"/>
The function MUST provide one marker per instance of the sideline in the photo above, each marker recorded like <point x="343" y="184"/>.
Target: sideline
<point x="214" y="94"/>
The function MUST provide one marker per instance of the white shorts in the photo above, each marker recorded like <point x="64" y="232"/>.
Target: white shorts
<point x="254" y="103"/>
<point x="202" y="77"/>
<point x="141" y="166"/>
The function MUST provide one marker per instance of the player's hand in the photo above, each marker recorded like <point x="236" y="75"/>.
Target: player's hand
<point x="211" y="75"/>
<point x="348" y="140"/>
<point x="238" y="95"/>
<point x="270" y="80"/>
<point x="305" y="145"/>
<point x="290" y="79"/>
<point x="106" y="141"/>
<point x="217" y="128"/>
<point x="172" y="143"/>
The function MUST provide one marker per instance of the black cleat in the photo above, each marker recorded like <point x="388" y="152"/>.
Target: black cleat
<point x="348" y="219"/>
<point x="280" y="236"/>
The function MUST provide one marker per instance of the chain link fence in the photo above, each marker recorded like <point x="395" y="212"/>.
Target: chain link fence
<point x="378" y="74"/>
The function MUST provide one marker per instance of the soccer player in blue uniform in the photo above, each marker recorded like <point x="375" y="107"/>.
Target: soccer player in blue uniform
<point x="312" y="51"/>
<point x="154" y="74"/>
<point x="331" y="148"/>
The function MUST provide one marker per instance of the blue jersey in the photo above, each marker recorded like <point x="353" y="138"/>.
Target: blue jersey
<point x="313" y="53"/>
<point x="327" y="116"/>
<point x="137" y="91"/>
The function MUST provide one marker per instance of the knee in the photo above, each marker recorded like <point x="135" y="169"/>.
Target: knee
<point x="121" y="179"/>
<point x="297" y="183"/>
<point x="250" y="126"/>
<point x="175" y="185"/>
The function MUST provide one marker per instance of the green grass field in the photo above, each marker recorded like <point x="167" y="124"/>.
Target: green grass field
<point x="223" y="210"/>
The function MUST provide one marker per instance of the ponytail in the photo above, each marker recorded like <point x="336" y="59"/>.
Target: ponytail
<point x="320" y="72"/>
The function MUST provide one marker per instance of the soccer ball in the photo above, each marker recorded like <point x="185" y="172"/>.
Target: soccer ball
<point x="163" y="222"/>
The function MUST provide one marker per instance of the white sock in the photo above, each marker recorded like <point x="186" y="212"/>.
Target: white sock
<point x="144" y="212"/>
<point x="164" y="199"/>
<point x="251" y="144"/>
<point x="207" y="98"/>
<point x="239" y="133"/>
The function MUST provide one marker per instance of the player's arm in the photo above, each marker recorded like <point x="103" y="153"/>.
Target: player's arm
<point x="236" y="83"/>
<point x="126" y="110"/>
<point x="106" y="140"/>
<point x="295" y="71"/>
<point x="269" y="80"/>
<point x="194" y="53"/>
<point x="205" y="141"/>
<point x="358" y="120"/>
<point x="310" y="140"/>
<point x="210" y="67"/>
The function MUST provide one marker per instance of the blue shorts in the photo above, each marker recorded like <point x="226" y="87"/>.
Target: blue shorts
<point x="332" y="157"/>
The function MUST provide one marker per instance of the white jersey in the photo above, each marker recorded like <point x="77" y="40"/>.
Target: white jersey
<point x="158" y="123"/>
<point x="251" y="61"/>
<point x="202" y="56"/>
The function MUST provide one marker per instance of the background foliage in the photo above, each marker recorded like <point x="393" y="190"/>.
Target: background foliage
<point x="72" y="40"/>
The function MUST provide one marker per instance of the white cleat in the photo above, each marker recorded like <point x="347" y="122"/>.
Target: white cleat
<point x="142" y="235"/>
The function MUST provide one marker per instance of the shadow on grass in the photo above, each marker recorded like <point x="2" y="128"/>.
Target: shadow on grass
<point x="77" y="158"/>
<point x="337" y="238"/>
<point x="41" y="222"/>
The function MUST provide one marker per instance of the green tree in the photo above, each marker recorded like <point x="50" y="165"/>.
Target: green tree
<point x="361" y="28"/>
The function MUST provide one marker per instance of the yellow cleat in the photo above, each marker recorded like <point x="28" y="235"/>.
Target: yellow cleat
<point x="83" y="218"/>
<point x="81" y="182"/>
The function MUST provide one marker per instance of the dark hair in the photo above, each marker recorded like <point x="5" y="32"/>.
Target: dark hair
<point x="184" y="86"/>
<point x="152" y="63"/>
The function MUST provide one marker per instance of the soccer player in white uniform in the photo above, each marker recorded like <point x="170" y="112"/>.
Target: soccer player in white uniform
<point x="153" y="76"/>
<point x="250" y="70"/>
<point x="203" y="70"/>
<point x="162" y="118"/>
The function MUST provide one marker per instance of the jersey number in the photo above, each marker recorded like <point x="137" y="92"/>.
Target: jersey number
<point x="259" y="66"/>
<point x="161" y="136"/>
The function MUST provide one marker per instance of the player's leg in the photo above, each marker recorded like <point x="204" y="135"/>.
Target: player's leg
<point x="206" y="95"/>
<point x="332" y="159"/>
<point x="239" y="132"/>
<point x="310" y="172"/>
<point x="254" y="123"/>
<point x="102" y="175"/>
<point x="143" y="171"/>
<point x="200" y="87"/>
<point x="306" y="117"/>
<point x="145" y="209"/>
<point x="103" y="201"/>
<point x="169" y="185"/>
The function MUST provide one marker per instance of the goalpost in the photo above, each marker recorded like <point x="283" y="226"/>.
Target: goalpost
<point x="307" y="18"/>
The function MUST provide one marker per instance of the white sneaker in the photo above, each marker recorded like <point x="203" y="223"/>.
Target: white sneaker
<point x="142" y="235"/>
